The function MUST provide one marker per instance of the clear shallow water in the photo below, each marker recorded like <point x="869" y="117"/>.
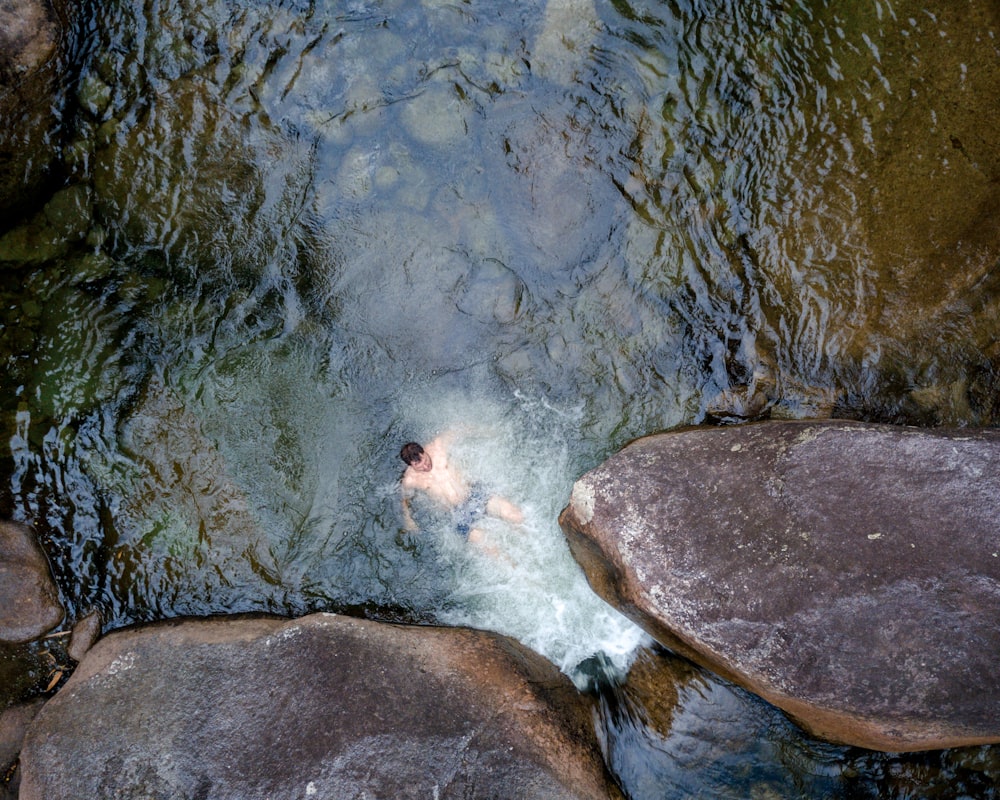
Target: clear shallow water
<point x="297" y="235"/>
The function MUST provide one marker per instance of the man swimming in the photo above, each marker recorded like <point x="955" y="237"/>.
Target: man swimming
<point x="428" y="470"/>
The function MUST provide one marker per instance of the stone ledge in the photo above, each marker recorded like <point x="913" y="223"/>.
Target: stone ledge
<point x="847" y="573"/>
<point x="324" y="706"/>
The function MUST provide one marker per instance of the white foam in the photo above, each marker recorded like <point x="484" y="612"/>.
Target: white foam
<point x="534" y="591"/>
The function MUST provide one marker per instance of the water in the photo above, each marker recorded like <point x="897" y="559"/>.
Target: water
<point x="288" y="237"/>
<point x="526" y="584"/>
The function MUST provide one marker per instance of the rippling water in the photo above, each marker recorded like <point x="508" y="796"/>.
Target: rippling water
<point x="294" y="235"/>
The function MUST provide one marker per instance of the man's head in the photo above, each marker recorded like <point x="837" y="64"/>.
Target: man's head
<point x="414" y="455"/>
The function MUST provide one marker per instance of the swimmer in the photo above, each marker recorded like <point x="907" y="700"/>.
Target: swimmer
<point x="428" y="470"/>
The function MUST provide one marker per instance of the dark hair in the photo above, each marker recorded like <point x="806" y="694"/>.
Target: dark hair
<point x="411" y="452"/>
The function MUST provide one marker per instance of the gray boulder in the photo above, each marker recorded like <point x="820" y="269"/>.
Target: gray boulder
<point x="29" y="601"/>
<point x="325" y="706"/>
<point x="848" y="573"/>
<point x="14" y="723"/>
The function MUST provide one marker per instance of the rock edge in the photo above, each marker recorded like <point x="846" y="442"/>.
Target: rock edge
<point x="847" y="573"/>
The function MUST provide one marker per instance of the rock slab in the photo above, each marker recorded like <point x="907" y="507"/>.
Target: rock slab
<point x="848" y="573"/>
<point x="325" y="706"/>
<point x="29" y="600"/>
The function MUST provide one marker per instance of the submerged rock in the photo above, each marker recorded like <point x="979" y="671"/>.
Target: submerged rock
<point x="192" y="146"/>
<point x="324" y="706"/>
<point x="927" y="190"/>
<point x="848" y="573"/>
<point x="563" y="44"/>
<point x="29" y="600"/>
<point x="436" y="117"/>
<point x="86" y="631"/>
<point x="50" y="233"/>
<point x="184" y="498"/>
<point x="30" y="35"/>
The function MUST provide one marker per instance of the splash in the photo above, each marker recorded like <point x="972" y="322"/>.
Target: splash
<point x="527" y="586"/>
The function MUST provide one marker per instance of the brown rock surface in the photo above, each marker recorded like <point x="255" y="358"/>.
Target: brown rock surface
<point x="29" y="601"/>
<point x="324" y="706"/>
<point x="14" y="723"/>
<point x="848" y="573"/>
<point x="30" y="34"/>
<point x="28" y="38"/>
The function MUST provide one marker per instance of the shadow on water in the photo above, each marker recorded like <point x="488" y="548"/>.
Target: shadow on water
<point x="293" y="236"/>
<point x="673" y="731"/>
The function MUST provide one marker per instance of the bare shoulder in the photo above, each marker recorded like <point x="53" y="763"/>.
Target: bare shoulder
<point x="409" y="481"/>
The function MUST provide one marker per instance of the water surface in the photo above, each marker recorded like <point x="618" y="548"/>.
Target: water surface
<point x="293" y="236"/>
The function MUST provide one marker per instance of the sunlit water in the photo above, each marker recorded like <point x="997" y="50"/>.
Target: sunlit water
<point x="523" y="582"/>
<point x="296" y="235"/>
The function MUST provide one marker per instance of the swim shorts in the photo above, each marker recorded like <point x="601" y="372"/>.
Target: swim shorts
<point x="471" y="510"/>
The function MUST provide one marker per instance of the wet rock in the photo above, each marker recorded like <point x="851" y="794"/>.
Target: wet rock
<point x="738" y="404"/>
<point x="85" y="633"/>
<point x="29" y="600"/>
<point x="14" y="723"/>
<point x="29" y="88"/>
<point x="29" y="36"/>
<point x="367" y="710"/>
<point x="847" y="573"/>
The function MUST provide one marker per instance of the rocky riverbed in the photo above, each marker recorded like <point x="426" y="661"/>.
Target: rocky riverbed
<point x="846" y="572"/>
<point x="664" y="213"/>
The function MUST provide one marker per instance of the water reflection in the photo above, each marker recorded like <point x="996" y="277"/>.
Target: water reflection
<point x="685" y="745"/>
<point x="296" y="235"/>
<point x="670" y="734"/>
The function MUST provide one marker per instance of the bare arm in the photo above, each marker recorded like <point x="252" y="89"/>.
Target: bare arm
<point x="408" y="522"/>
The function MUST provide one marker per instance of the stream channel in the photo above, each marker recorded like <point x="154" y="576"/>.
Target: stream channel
<point x="283" y="238"/>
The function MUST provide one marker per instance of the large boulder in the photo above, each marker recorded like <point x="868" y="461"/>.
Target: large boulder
<point x="29" y="600"/>
<point x="848" y="573"/>
<point x="325" y="706"/>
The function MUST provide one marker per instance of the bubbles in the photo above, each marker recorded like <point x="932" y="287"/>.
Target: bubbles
<point x="530" y="588"/>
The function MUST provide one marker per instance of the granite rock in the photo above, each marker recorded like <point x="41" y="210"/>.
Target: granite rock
<point x="847" y="573"/>
<point x="323" y="706"/>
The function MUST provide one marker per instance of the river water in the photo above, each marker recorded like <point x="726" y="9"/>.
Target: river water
<point x="286" y="238"/>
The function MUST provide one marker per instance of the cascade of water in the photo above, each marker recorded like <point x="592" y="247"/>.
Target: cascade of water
<point x="527" y="584"/>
